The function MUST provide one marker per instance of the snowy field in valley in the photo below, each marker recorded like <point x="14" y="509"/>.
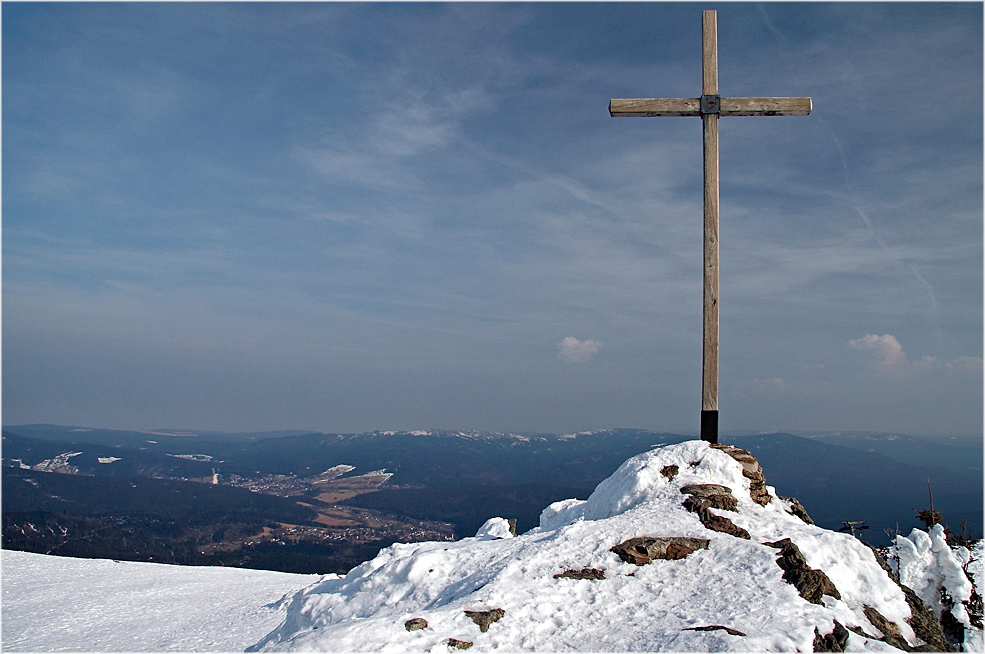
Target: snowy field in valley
<point x="57" y="604"/>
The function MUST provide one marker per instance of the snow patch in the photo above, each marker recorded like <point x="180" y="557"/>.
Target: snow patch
<point x="334" y="472"/>
<point x="562" y="513"/>
<point x="494" y="528"/>
<point x="57" y="464"/>
<point x="108" y="459"/>
<point x="204" y="458"/>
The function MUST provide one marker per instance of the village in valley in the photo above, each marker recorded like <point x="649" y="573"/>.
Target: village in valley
<point x="336" y="523"/>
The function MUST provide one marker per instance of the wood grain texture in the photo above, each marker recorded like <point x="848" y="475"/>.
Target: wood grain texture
<point x="634" y="107"/>
<point x="655" y="107"/>
<point x="709" y="53"/>
<point x="709" y="353"/>
<point x="765" y="106"/>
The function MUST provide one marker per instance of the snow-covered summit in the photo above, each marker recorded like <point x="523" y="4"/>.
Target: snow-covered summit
<point x="683" y="548"/>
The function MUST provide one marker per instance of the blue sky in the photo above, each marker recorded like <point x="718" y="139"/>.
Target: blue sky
<point x="347" y="217"/>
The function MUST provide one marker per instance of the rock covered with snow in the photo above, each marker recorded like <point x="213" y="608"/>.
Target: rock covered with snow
<point x="936" y="572"/>
<point x="730" y="595"/>
<point x="495" y="528"/>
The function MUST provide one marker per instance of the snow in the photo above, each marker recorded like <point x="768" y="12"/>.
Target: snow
<point x="734" y="583"/>
<point x="336" y="471"/>
<point x="57" y="604"/>
<point x="108" y="459"/>
<point x="57" y="463"/>
<point x="205" y="458"/>
<point x="928" y="565"/>
<point x="494" y="528"/>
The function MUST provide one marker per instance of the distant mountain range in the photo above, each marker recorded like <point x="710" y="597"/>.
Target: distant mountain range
<point x="838" y="476"/>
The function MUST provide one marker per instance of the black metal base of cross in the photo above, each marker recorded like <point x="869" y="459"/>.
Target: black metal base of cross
<point x="709" y="426"/>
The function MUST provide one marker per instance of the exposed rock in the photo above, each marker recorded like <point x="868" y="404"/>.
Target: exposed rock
<point x="751" y="470"/>
<point x="415" y="623"/>
<point x="669" y="472"/>
<point x="797" y="509"/>
<point x="713" y="627"/>
<point x="925" y="624"/>
<point x="833" y="642"/>
<point x="584" y="573"/>
<point x="724" y="502"/>
<point x="861" y="632"/>
<point x="704" y="490"/>
<point x="459" y="644"/>
<point x="810" y="583"/>
<point x="722" y="525"/>
<point x="512" y="523"/>
<point x="890" y="630"/>
<point x="702" y="497"/>
<point x="485" y="618"/>
<point x="709" y="496"/>
<point x="952" y="627"/>
<point x="645" y="549"/>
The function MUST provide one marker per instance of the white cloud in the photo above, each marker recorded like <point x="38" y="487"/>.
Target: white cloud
<point x="892" y="361"/>
<point x="571" y="350"/>
<point x="887" y="349"/>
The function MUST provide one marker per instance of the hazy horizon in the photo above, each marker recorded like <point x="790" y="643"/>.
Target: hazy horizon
<point x="179" y="431"/>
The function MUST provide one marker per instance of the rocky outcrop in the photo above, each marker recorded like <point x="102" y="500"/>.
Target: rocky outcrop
<point x="751" y="470"/>
<point x="925" y="624"/>
<point x="415" y="623"/>
<point x="709" y="496"/>
<point x="889" y="629"/>
<point x="645" y="549"/>
<point x="485" y="618"/>
<point x="584" y="573"/>
<point x="459" y="644"/>
<point x="797" y="509"/>
<point x="702" y="497"/>
<point x="716" y="627"/>
<point x="833" y="642"/>
<point x="669" y="472"/>
<point x="810" y="583"/>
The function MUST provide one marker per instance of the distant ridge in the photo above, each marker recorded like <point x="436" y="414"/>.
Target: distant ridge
<point x="880" y="478"/>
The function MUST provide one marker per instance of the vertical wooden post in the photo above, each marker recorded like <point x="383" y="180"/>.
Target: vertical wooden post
<point x="709" y="119"/>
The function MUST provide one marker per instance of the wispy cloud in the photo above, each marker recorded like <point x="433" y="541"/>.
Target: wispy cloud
<point x="890" y="361"/>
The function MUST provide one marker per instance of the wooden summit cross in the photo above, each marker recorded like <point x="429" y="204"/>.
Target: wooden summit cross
<point x="710" y="106"/>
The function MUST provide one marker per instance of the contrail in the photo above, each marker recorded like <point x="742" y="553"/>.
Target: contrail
<point x="906" y="269"/>
<point x="769" y="23"/>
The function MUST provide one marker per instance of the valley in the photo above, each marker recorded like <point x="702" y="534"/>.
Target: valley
<point x="310" y="502"/>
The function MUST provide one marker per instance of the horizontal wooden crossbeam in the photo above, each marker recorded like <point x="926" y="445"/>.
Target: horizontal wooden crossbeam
<point x="692" y="107"/>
